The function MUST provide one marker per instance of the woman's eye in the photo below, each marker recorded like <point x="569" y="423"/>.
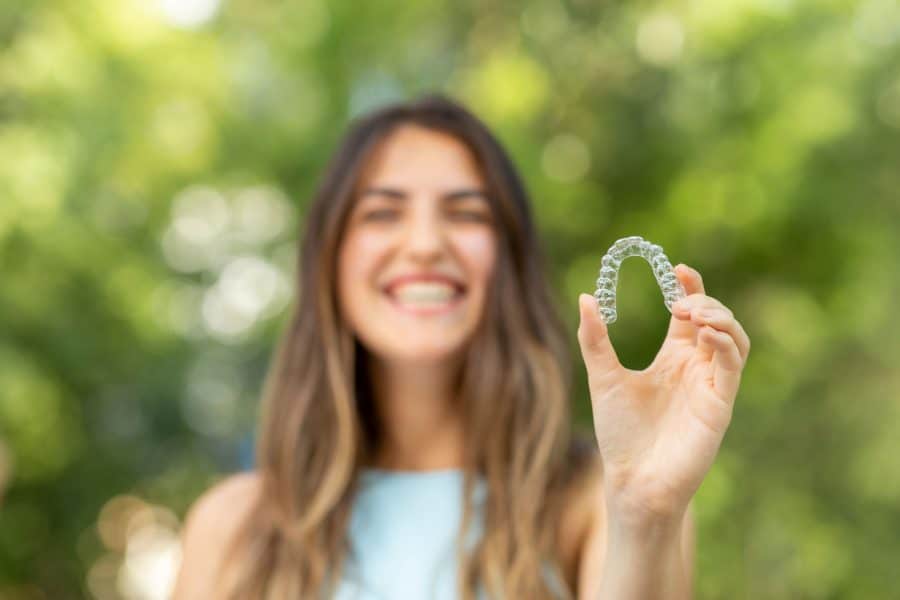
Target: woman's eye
<point x="379" y="214"/>
<point x="470" y="216"/>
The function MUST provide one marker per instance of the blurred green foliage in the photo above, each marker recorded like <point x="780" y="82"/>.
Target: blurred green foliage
<point x="156" y="159"/>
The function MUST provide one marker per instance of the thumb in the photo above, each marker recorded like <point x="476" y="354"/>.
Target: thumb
<point x="596" y="348"/>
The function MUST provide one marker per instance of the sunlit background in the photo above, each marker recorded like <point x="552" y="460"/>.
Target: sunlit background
<point x="157" y="157"/>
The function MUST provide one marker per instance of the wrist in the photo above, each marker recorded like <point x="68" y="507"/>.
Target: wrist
<point x="644" y="531"/>
<point x="651" y="549"/>
<point x="644" y="516"/>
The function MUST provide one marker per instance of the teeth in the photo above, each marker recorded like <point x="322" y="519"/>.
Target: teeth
<point x="424" y="292"/>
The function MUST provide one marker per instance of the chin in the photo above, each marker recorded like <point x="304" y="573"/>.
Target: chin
<point x="426" y="355"/>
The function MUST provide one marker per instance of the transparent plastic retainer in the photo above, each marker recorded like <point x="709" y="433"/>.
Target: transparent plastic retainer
<point x="634" y="245"/>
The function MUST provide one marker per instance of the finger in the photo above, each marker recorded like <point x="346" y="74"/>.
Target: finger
<point x="727" y="363"/>
<point x="680" y="326"/>
<point x="722" y="320"/>
<point x="600" y="358"/>
<point x="681" y="311"/>
<point x="698" y="301"/>
<point x="690" y="278"/>
<point x="705" y="347"/>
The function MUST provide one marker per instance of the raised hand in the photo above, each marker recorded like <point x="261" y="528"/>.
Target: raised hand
<point x="660" y="429"/>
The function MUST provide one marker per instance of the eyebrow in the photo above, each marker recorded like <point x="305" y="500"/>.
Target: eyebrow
<point x="400" y="196"/>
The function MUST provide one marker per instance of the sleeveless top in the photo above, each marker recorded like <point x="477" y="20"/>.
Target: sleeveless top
<point x="402" y="535"/>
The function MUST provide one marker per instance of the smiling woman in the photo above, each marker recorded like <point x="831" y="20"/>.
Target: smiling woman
<point x="416" y="438"/>
<point x="418" y="251"/>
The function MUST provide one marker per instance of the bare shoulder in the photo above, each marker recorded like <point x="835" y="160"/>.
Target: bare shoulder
<point x="210" y="525"/>
<point x="218" y="511"/>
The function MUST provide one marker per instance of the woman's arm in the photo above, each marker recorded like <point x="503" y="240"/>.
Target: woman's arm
<point x="625" y="561"/>
<point x="658" y="431"/>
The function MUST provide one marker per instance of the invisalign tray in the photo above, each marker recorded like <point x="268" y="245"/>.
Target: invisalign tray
<point x="634" y="245"/>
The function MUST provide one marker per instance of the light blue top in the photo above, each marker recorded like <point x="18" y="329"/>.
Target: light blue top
<point x="402" y="534"/>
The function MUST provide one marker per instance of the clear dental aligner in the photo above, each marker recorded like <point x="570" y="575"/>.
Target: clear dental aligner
<point x="634" y="245"/>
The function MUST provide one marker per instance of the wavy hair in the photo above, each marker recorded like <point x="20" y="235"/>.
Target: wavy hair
<point x="317" y="425"/>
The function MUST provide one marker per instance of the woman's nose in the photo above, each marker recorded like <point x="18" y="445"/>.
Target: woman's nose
<point x="425" y="235"/>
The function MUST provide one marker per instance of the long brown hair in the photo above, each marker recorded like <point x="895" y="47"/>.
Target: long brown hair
<point x="317" y="426"/>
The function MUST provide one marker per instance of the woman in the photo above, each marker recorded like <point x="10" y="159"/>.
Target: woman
<point x="415" y="438"/>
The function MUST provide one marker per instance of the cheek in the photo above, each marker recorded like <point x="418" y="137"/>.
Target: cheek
<point x="478" y="250"/>
<point x="359" y="253"/>
<point x="356" y="262"/>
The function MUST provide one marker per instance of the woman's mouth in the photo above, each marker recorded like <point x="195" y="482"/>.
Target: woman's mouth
<point x="425" y="298"/>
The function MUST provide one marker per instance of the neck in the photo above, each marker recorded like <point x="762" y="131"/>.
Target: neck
<point x="418" y="416"/>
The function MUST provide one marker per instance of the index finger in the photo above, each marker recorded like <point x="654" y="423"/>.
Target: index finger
<point x="690" y="278"/>
<point x="680" y="326"/>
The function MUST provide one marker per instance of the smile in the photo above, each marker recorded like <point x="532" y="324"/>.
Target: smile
<point x="423" y="299"/>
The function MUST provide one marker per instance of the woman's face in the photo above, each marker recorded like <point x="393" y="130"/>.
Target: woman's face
<point x="419" y="249"/>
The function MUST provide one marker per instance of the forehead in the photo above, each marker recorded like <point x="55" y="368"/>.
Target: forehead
<point x="416" y="157"/>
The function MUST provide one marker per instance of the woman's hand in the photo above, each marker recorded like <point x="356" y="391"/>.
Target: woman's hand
<point x="659" y="429"/>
